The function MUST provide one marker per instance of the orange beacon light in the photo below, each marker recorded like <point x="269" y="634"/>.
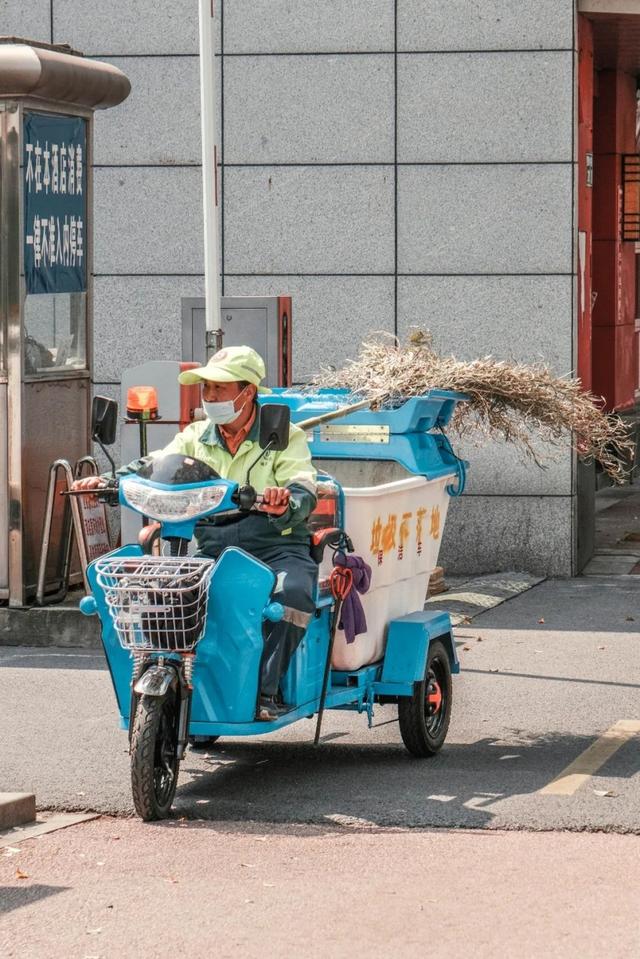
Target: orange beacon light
<point x="142" y="403"/>
<point x="142" y="406"/>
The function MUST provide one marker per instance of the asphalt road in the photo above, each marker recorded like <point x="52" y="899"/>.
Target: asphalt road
<point x="532" y="697"/>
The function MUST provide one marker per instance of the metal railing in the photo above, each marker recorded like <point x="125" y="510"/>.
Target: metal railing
<point x="72" y="528"/>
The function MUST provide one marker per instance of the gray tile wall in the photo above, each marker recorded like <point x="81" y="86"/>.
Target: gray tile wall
<point x="386" y="162"/>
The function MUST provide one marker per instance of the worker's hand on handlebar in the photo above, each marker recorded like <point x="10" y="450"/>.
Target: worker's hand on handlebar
<point x="89" y="484"/>
<point x="275" y="501"/>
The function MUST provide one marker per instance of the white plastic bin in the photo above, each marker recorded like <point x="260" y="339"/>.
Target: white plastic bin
<point x="397" y="529"/>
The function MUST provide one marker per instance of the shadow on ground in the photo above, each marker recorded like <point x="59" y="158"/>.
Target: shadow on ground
<point x="468" y="785"/>
<point x="14" y="897"/>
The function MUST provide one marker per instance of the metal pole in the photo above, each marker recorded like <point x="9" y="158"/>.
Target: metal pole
<point x="334" y="415"/>
<point x="144" y="451"/>
<point x="208" y="104"/>
<point x="11" y="291"/>
<point x="144" y="447"/>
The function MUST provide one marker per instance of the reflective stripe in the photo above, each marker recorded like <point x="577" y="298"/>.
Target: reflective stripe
<point x="296" y="617"/>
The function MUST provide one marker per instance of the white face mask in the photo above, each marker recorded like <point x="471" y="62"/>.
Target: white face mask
<point x="221" y="413"/>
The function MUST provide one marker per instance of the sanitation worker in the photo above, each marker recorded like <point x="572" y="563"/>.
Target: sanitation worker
<point x="227" y="440"/>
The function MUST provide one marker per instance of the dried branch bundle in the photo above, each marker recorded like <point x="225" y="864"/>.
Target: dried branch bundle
<point x="510" y="401"/>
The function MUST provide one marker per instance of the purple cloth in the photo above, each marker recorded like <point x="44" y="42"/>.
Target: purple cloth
<point x="352" y="618"/>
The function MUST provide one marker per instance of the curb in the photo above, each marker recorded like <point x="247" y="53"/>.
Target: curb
<point x="45" y="823"/>
<point x="476" y="596"/>
<point x="62" y="625"/>
<point x="16" y="809"/>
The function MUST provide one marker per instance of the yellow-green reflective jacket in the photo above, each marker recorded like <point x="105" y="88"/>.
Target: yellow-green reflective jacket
<point x="291" y="467"/>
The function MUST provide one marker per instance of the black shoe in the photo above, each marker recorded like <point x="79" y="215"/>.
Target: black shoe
<point x="268" y="710"/>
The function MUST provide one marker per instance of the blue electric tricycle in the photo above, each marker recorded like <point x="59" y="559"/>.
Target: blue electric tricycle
<point x="183" y="635"/>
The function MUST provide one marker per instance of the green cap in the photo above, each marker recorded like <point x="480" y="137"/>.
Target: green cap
<point x="230" y="365"/>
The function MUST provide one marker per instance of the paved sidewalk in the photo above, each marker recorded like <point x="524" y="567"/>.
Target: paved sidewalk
<point x="117" y="889"/>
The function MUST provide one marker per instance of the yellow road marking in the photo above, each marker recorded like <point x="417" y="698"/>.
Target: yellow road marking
<point x="595" y="756"/>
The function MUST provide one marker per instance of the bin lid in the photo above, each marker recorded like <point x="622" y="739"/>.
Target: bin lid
<point x="408" y="433"/>
<point x="412" y="414"/>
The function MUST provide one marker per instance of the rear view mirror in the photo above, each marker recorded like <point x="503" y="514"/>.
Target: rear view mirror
<point x="274" y="426"/>
<point x="104" y="420"/>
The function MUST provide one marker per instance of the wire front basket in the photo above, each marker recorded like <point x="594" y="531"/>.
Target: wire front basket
<point x="156" y="602"/>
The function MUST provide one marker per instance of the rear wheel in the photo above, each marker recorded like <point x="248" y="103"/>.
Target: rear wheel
<point x="154" y="761"/>
<point x="424" y="717"/>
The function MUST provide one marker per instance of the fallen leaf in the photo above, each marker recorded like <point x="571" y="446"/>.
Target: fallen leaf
<point x="541" y="620"/>
<point x="479" y="639"/>
<point x="466" y="648"/>
<point x="605" y="792"/>
<point x="630" y="619"/>
<point x="21" y="875"/>
<point x="602" y="647"/>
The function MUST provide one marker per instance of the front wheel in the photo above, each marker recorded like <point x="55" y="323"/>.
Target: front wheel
<point x="424" y="717"/>
<point x="154" y="760"/>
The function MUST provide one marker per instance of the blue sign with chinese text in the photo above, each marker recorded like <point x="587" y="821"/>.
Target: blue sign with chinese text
<point x="55" y="204"/>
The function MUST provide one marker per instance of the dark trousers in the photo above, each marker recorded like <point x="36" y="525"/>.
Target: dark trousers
<point x="296" y="579"/>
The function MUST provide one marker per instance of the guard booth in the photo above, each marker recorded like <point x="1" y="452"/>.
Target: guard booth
<point x="48" y="95"/>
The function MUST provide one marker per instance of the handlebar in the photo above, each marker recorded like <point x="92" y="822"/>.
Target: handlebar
<point x="104" y="494"/>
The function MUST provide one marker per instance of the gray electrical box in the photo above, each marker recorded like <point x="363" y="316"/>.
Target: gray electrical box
<point x="263" y="322"/>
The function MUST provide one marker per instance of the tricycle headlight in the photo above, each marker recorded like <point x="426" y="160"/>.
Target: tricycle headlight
<point x="171" y="505"/>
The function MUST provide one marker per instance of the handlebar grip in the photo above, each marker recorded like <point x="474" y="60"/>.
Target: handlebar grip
<point x="245" y="497"/>
<point x="109" y="495"/>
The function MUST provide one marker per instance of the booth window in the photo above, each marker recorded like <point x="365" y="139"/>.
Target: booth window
<point x="55" y="333"/>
